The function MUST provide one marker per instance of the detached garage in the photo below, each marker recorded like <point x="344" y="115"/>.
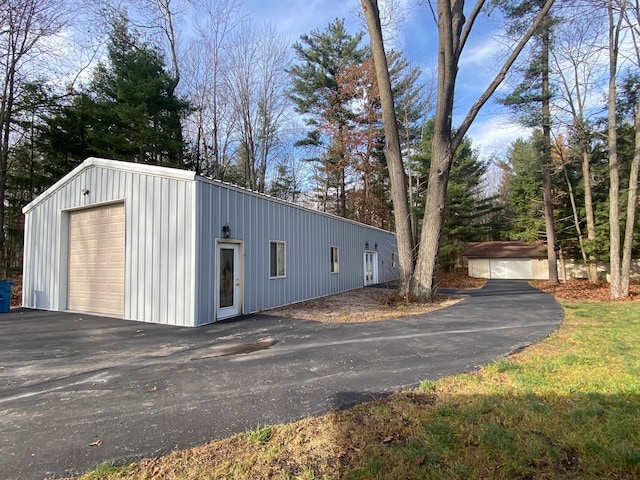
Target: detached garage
<point x="507" y="260"/>
<point x="163" y="245"/>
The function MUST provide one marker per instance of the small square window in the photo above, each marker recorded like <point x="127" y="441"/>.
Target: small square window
<point x="335" y="264"/>
<point x="276" y="259"/>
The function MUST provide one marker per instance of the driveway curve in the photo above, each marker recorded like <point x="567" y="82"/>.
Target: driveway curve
<point x="78" y="390"/>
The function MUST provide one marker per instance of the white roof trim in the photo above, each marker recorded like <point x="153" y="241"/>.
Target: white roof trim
<point x="115" y="165"/>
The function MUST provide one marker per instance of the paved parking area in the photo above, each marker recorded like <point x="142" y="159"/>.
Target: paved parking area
<point x="78" y="390"/>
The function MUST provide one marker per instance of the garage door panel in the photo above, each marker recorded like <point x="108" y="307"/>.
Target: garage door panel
<point x="511" y="268"/>
<point x="96" y="260"/>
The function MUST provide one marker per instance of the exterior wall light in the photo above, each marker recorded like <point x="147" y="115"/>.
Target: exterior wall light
<point x="366" y="245"/>
<point x="226" y="231"/>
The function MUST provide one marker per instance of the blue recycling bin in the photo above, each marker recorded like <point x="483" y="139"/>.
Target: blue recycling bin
<point x="5" y="295"/>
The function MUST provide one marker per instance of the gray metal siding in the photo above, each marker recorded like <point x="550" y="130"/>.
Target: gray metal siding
<point x="172" y="222"/>
<point x="159" y="239"/>
<point x="256" y="220"/>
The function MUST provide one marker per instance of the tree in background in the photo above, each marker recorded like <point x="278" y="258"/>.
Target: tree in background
<point x="621" y="14"/>
<point x="211" y="124"/>
<point x="30" y="171"/>
<point x="522" y="188"/>
<point x="454" y="28"/>
<point x="576" y="68"/>
<point x="128" y="113"/>
<point x="319" y="96"/>
<point x="469" y="210"/>
<point x="531" y="99"/>
<point x="256" y="81"/>
<point x="632" y="20"/>
<point x="25" y="28"/>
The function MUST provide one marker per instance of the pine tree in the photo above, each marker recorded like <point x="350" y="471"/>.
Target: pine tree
<point x="129" y="112"/>
<point x="317" y="93"/>
<point x="467" y="207"/>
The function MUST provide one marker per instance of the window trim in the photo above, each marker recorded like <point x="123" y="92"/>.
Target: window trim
<point x="284" y="258"/>
<point x="332" y="263"/>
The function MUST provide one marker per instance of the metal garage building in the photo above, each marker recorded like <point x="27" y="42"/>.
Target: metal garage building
<point x="162" y="245"/>
<point x="507" y="260"/>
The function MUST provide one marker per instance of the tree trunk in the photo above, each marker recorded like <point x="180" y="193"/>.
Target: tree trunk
<point x="424" y="283"/>
<point x="592" y="269"/>
<point x="6" y="120"/>
<point x="576" y="222"/>
<point x="614" y="175"/>
<point x="552" y="255"/>
<point x="392" y="152"/>
<point x="632" y="200"/>
<point x="450" y="21"/>
<point x="547" y="190"/>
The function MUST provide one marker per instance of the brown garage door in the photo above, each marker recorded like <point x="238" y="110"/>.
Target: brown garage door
<point x="96" y="260"/>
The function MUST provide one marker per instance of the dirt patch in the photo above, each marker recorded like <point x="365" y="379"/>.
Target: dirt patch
<point x="370" y="304"/>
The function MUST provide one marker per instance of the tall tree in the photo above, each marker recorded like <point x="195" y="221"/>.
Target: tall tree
<point x="522" y="190"/>
<point x="128" y="112"/>
<point x="256" y="80"/>
<point x="25" y="28"/>
<point x="454" y="28"/>
<point x="632" y="19"/>
<point x="392" y="151"/>
<point x="317" y="94"/>
<point x="616" y="20"/>
<point x="577" y="67"/>
<point x="212" y="118"/>
<point x="532" y="97"/>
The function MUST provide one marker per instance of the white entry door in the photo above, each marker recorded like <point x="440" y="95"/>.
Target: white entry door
<point x="229" y="280"/>
<point x="370" y="268"/>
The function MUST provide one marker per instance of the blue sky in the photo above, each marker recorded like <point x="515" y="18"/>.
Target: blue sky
<point x="416" y="36"/>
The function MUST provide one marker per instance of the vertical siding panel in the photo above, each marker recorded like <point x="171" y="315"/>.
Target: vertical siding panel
<point x="173" y="213"/>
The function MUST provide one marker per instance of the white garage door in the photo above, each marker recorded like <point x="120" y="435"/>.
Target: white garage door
<point x="511" y="268"/>
<point x="96" y="260"/>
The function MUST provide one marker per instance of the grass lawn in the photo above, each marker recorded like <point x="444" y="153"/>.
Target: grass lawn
<point x="568" y="407"/>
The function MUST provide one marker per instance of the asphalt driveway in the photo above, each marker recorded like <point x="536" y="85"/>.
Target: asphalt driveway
<point x="78" y="390"/>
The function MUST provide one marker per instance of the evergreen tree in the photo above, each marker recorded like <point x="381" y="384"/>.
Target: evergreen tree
<point x="468" y="210"/>
<point x="531" y="99"/>
<point x="284" y="185"/>
<point x="128" y="113"/>
<point x="522" y="191"/>
<point x="317" y="93"/>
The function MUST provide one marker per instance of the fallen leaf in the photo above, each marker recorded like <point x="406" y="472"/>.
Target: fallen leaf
<point x="420" y="460"/>
<point x="154" y="388"/>
<point x="139" y="330"/>
<point x="388" y="439"/>
<point x="96" y="443"/>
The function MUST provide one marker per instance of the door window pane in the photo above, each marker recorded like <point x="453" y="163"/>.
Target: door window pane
<point x="226" y="277"/>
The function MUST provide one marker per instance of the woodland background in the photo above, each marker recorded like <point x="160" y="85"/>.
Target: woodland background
<point x="205" y="87"/>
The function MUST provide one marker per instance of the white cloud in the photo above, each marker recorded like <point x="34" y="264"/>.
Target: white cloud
<point x="492" y="135"/>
